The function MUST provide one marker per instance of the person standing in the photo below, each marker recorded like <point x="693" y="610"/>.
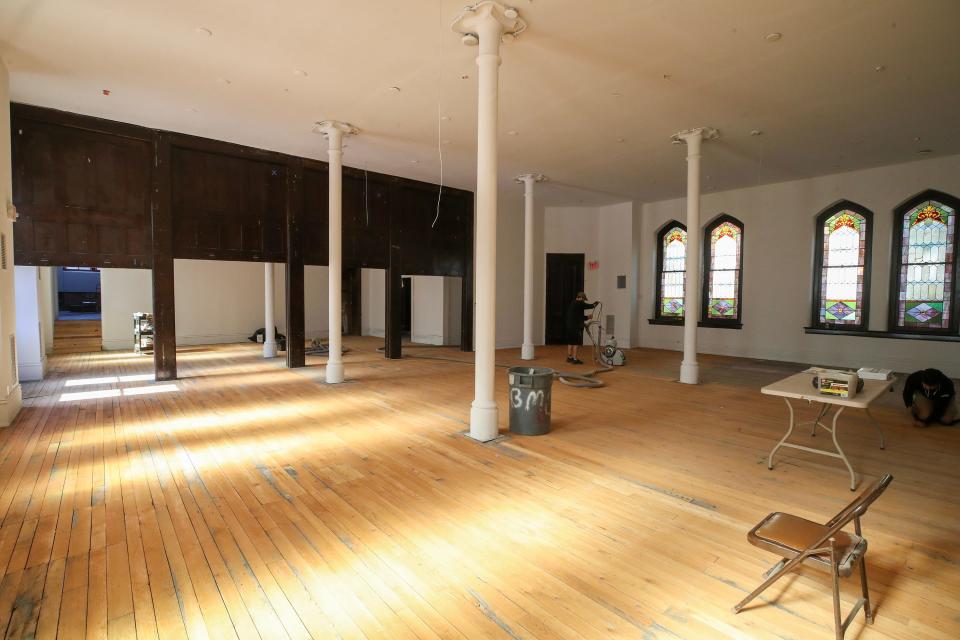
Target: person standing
<point x="575" y="321"/>
<point x="931" y="397"/>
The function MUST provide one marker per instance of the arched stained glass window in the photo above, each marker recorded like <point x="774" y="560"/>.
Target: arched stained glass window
<point x="926" y="256"/>
<point x="842" y="275"/>
<point x="671" y="270"/>
<point x="722" y="272"/>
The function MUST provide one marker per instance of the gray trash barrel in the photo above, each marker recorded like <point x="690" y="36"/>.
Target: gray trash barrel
<point x="530" y="400"/>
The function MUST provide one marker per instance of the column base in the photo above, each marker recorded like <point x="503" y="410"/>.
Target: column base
<point x="269" y="349"/>
<point x="526" y="351"/>
<point x="334" y="372"/>
<point x="484" y="425"/>
<point x="689" y="372"/>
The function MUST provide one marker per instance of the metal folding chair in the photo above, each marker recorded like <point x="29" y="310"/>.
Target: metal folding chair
<point x="797" y="540"/>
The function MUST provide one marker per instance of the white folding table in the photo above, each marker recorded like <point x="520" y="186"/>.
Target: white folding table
<point x="800" y="387"/>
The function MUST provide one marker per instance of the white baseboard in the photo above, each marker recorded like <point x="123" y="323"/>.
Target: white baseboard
<point x="27" y="371"/>
<point x="376" y="333"/>
<point x="427" y="339"/>
<point x="10" y="406"/>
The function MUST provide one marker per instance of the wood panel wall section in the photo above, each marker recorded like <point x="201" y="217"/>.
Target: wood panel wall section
<point x="98" y="193"/>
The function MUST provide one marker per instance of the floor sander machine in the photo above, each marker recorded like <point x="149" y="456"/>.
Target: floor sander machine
<point x="606" y="355"/>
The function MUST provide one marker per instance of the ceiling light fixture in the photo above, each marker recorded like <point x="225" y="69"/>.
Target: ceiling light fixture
<point x="203" y="31"/>
<point x="773" y="37"/>
<point x="395" y="89"/>
<point x="464" y="77"/>
<point x="879" y="68"/>
<point x="667" y="76"/>
<point x="756" y="132"/>
<point x="300" y="73"/>
<point x="445" y="118"/>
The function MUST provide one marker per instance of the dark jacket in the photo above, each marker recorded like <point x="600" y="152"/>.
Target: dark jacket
<point x="576" y="311"/>
<point x="941" y="396"/>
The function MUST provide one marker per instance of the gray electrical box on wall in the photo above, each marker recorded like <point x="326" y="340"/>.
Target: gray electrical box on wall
<point x="621" y="282"/>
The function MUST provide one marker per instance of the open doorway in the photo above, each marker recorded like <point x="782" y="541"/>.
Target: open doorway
<point x="564" y="281"/>
<point x="78" y="293"/>
<point x="77" y="328"/>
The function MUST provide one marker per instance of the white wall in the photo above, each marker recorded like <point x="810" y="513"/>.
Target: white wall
<point x="315" y="298"/>
<point x="10" y="394"/>
<point x="435" y="307"/>
<point x="373" y="303"/>
<point x="48" y="306"/>
<point x="31" y="355"/>
<point x="603" y="234"/>
<point x="123" y="292"/>
<point x="778" y="264"/>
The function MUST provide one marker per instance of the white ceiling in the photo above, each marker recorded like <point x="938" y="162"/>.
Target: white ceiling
<point x="583" y="77"/>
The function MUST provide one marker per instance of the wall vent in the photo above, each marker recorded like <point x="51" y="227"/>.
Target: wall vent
<point x="3" y="251"/>
<point x="611" y="324"/>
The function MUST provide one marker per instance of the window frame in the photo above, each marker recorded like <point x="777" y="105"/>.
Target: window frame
<point x="658" y="317"/>
<point x="896" y="264"/>
<point x="821" y="218"/>
<point x="705" y="319"/>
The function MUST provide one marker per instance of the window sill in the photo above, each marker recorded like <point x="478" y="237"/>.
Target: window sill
<point x="678" y="322"/>
<point x="714" y="324"/>
<point x="675" y="322"/>
<point x="936" y="337"/>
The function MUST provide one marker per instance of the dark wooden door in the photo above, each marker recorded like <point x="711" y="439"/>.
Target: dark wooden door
<point x="564" y="281"/>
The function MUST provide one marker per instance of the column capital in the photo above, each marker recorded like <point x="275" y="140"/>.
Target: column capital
<point x="334" y="130"/>
<point x="703" y="133"/>
<point x="529" y="178"/>
<point x="488" y="20"/>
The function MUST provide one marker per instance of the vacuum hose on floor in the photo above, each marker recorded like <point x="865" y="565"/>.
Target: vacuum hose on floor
<point x="588" y="380"/>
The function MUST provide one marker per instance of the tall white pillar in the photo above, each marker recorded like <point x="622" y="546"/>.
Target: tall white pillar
<point x="528" y="180"/>
<point x="689" y="368"/>
<point x="269" y="324"/>
<point x="334" y="131"/>
<point x="485" y="24"/>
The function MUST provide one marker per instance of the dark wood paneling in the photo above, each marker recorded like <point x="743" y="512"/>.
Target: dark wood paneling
<point x="164" y="307"/>
<point x="82" y="195"/>
<point x="223" y="204"/>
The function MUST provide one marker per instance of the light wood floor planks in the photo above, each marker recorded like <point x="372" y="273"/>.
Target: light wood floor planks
<point x="250" y="501"/>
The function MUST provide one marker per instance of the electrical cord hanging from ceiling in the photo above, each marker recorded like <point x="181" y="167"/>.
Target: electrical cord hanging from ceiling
<point x="366" y="192"/>
<point x="439" y="116"/>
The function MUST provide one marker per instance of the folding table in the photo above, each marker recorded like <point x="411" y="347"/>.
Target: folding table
<point x="800" y="387"/>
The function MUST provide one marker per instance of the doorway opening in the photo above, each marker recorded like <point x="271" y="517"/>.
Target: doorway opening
<point x="78" y="293"/>
<point x="564" y="281"/>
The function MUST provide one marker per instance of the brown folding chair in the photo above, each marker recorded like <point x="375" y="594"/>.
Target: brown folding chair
<point x="797" y="540"/>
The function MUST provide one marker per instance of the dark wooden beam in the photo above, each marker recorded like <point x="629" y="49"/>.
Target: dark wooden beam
<point x="161" y="237"/>
<point x="294" y="268"/>
<point x="394" y="304"/>
<point x="352" y="302"/>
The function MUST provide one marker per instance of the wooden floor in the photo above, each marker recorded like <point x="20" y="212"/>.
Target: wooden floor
<point x="248" y="500"/>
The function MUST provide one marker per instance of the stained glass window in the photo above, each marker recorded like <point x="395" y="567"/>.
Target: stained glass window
<point x="927" y="252"/>
<point x="723" y="242"/>
<point x="673" y="265"/>
<point x="844" y="242"/>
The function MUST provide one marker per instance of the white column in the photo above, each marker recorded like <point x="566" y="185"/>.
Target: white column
<point x="528" y="180"/>
<point x="269" y="324"/>
<point x="689" y="368"/>
<point x="485" y="24"/>
<point x="334" y="132"/>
